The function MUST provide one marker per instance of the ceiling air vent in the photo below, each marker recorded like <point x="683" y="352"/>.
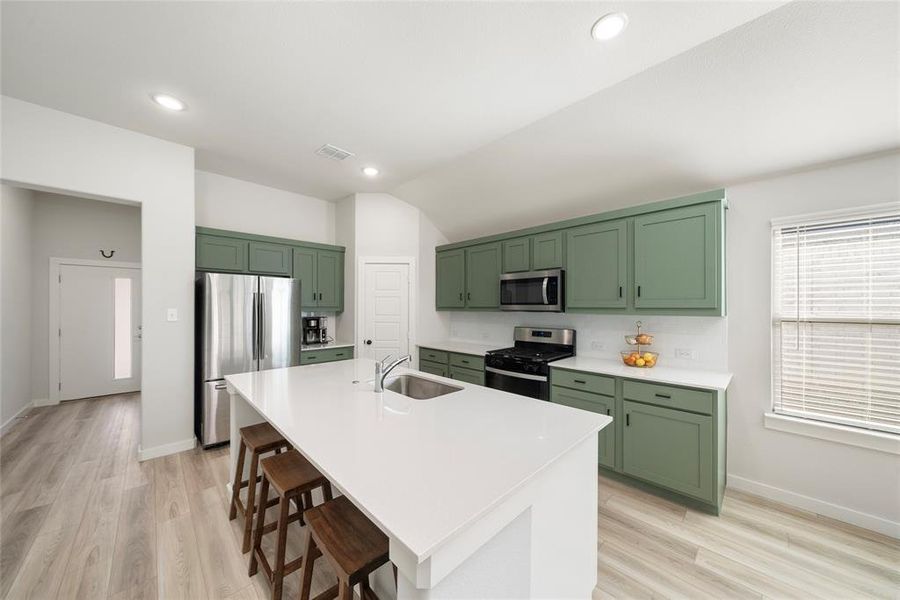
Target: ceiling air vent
<point x="333" y="152"/>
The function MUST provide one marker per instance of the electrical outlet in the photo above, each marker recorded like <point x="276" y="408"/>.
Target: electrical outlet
<point x="686" y="353"/>
<point x="595" y="345"/>
<point x="172" y="314"/>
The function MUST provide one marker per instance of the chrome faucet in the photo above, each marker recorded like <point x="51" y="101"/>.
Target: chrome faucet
<point x="382" y="368"/>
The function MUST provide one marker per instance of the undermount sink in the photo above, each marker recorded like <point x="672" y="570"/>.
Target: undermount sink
<point x="419" y="388"/>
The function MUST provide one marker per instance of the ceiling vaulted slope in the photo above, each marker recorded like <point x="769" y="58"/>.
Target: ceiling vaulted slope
<point x="806" y="84"/>
<point x="405" y="86"/>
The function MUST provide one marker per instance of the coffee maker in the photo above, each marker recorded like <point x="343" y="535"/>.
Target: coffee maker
<point x="315" y="330"/>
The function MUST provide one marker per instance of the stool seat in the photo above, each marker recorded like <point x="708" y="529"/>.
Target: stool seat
<point x="347" y="538"/>
<point x="262" y="437"/>
<point x="291" y="474"/>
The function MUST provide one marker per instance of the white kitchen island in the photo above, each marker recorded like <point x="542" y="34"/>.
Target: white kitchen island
<point x="482" y="493"/>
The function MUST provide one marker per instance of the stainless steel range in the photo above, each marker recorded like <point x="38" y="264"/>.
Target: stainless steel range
<point x="525" y="368"/>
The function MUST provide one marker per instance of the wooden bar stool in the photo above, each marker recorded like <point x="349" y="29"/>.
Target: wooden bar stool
<point x="293" y="478"/>
<point x="350" y="542"/>
<point x="259" y="439"/>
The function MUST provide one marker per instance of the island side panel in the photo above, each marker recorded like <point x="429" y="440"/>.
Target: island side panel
<point x="242" y="415"/>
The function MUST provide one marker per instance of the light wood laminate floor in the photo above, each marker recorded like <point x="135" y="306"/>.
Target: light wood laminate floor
<point x="82" y="518"/>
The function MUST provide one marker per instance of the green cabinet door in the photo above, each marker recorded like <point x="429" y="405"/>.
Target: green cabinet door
<point x="450" y="279"/>
<point x="547" y="250"/>
<point x="305" y="271"/>
<point x="271" y="259"/>
<point x="596" y="265"/>
<point x="467" y="375"/>
<point x="676" y="258"/>
<point x="483" y="276"/>
<point x="671" y="448"/>
<point x="604" y="405"/>
<point x="434" y="368"/>
<point x="517" y="255"/>
<point x="218" y="253"/>
<point x="330" y="280"/>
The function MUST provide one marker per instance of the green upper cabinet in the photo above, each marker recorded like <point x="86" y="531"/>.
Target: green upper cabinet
<point x="517" y="255"/>
<point x="450" y="279"/>
<point x="483" y="276"/>
<point x="218" y="253"/>
<point x="677" y="258"/>
<point x="305" y="271"/>
<point x="330" y="280"/>
<point x="273" y="259"/>
<point x="547" y="250"/>
<point x="671" y="448"/>
<point x="597" y="265"/>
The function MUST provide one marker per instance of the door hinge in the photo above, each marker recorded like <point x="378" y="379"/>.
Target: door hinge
<point x="59" y="386"/>
<point x="60" y="332"/>
<point x="60" y="278"/>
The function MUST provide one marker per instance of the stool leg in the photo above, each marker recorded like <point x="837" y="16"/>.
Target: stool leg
<point x="258" y="532"/>
<point x="251" y="497"/>
<point x="309" y="558"/>
<point x="326" y="490"/>
<point x="278" y="571"/>
<point x="346" y="592"/>
<point x="236" y="486"/>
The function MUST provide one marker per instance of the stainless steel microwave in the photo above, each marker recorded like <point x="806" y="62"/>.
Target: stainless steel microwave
<point x="533" y="291"/>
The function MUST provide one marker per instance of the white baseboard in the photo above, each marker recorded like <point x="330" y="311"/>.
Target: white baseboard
<point x="12" y="420"/>
<point x="820" y="507"/>
<point x="166" y="449"/>
<point x="44" y="402"/>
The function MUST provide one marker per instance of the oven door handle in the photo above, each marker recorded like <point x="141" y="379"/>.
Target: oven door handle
<point x="544" y="290"/>
<point x="516" y="375"/>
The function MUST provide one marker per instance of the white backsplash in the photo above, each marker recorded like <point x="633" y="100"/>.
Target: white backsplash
<point x="602" y="335"/>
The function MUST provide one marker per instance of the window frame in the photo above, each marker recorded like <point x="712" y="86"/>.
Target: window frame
<point x="846" y="434"/>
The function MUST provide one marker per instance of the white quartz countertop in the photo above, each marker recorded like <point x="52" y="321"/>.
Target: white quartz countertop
<point x="716" y="380"/>
<point x="305" y="347"/>
<point x="422" y="470"/>
<point x="462" y="347"/>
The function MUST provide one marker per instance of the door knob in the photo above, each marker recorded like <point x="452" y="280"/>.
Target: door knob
<point x="368" y="342"/>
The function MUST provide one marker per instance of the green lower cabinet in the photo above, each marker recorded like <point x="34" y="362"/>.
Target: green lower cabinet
<point x="309" y="357"/>
<point x="219" y="253"/>
<point x="483" y="276"/>
<point x="434" y="368"/>
<point x="671" y="448"/>
<point x="597" y="403"/>
<point x="450" y="279"/>
<point x="467" y="375"/>
<point x="677" y="257"/>
<point x="271" y="259"/>
<point x="597" y="265"/>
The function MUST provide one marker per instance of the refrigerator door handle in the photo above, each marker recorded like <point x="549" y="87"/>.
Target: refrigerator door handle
<point x="255" y="331"/>
<point x="262" y="326"/>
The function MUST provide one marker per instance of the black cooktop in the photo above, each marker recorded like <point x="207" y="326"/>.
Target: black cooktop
<point x="531" y="354"/>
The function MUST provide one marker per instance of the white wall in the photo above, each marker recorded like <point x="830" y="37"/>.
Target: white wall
<point x="842" y="481"/>
<point x="345" y="235"/>
<point x="16" y="217"/>
<point x="69" y="227"/>
<point x="55" y="151"/>
<point x="228" y="203"/>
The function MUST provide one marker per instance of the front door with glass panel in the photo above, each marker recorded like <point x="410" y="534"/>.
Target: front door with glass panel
<point x="99" y="331"/>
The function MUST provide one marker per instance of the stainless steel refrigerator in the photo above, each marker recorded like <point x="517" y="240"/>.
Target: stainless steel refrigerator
<point x="244" y="323"/>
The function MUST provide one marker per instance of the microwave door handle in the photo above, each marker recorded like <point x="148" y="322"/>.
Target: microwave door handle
<point x="544" y="290"/>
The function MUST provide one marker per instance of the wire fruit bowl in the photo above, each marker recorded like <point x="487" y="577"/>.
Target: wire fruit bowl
<point x="641" y="360"/>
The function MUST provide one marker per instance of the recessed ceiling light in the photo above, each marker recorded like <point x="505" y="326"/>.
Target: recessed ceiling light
<point x="370" y="171"/>
<point x="167" y="101"/>
<point x="609" y="26"/>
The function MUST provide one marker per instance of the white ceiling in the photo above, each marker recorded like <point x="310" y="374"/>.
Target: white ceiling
<point x="803" y="85"/>
<point x="406" y="86"/>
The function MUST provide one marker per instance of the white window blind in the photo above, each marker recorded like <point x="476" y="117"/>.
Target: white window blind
<point x="836" y="320"/>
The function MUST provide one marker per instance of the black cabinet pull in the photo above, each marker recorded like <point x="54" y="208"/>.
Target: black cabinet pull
<point x="465" y="362"/>
<point x="469" y="295"/>
<point x="666" y="396"/>
<point x="339" y="354"/>
<point x="639" y="291"/>
<point x="620" y="291"/>
<point x="460" y="296"/>
<point x="581" y="381"/>
<point x="607" y="411"/>
<point x="627" y="419"/>
<point x="313" y="357"/>
<point x="320" y="295"/>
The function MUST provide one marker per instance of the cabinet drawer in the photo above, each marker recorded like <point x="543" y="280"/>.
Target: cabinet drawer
<point x="467" y="361"/>
<point x="596" y="403"/>
<point x="589" y="382"/>
<point x="426" y="366"/>
<point x="467" y="375"/>
<point x="670" y="397"/>
<point x="438" y="356"/>
<point x="309" y="357"/>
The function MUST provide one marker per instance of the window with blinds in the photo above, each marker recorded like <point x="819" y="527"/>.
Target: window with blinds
<point x="836" y="320"/>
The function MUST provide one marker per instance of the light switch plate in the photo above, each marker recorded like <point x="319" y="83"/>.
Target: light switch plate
<point x="172" y="314"/>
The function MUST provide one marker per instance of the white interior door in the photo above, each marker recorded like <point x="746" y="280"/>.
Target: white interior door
<point x="385" y="310"/>
<point x="99" y="331"/>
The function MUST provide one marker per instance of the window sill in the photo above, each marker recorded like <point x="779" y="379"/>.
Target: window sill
<point x="873" y="440"/>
